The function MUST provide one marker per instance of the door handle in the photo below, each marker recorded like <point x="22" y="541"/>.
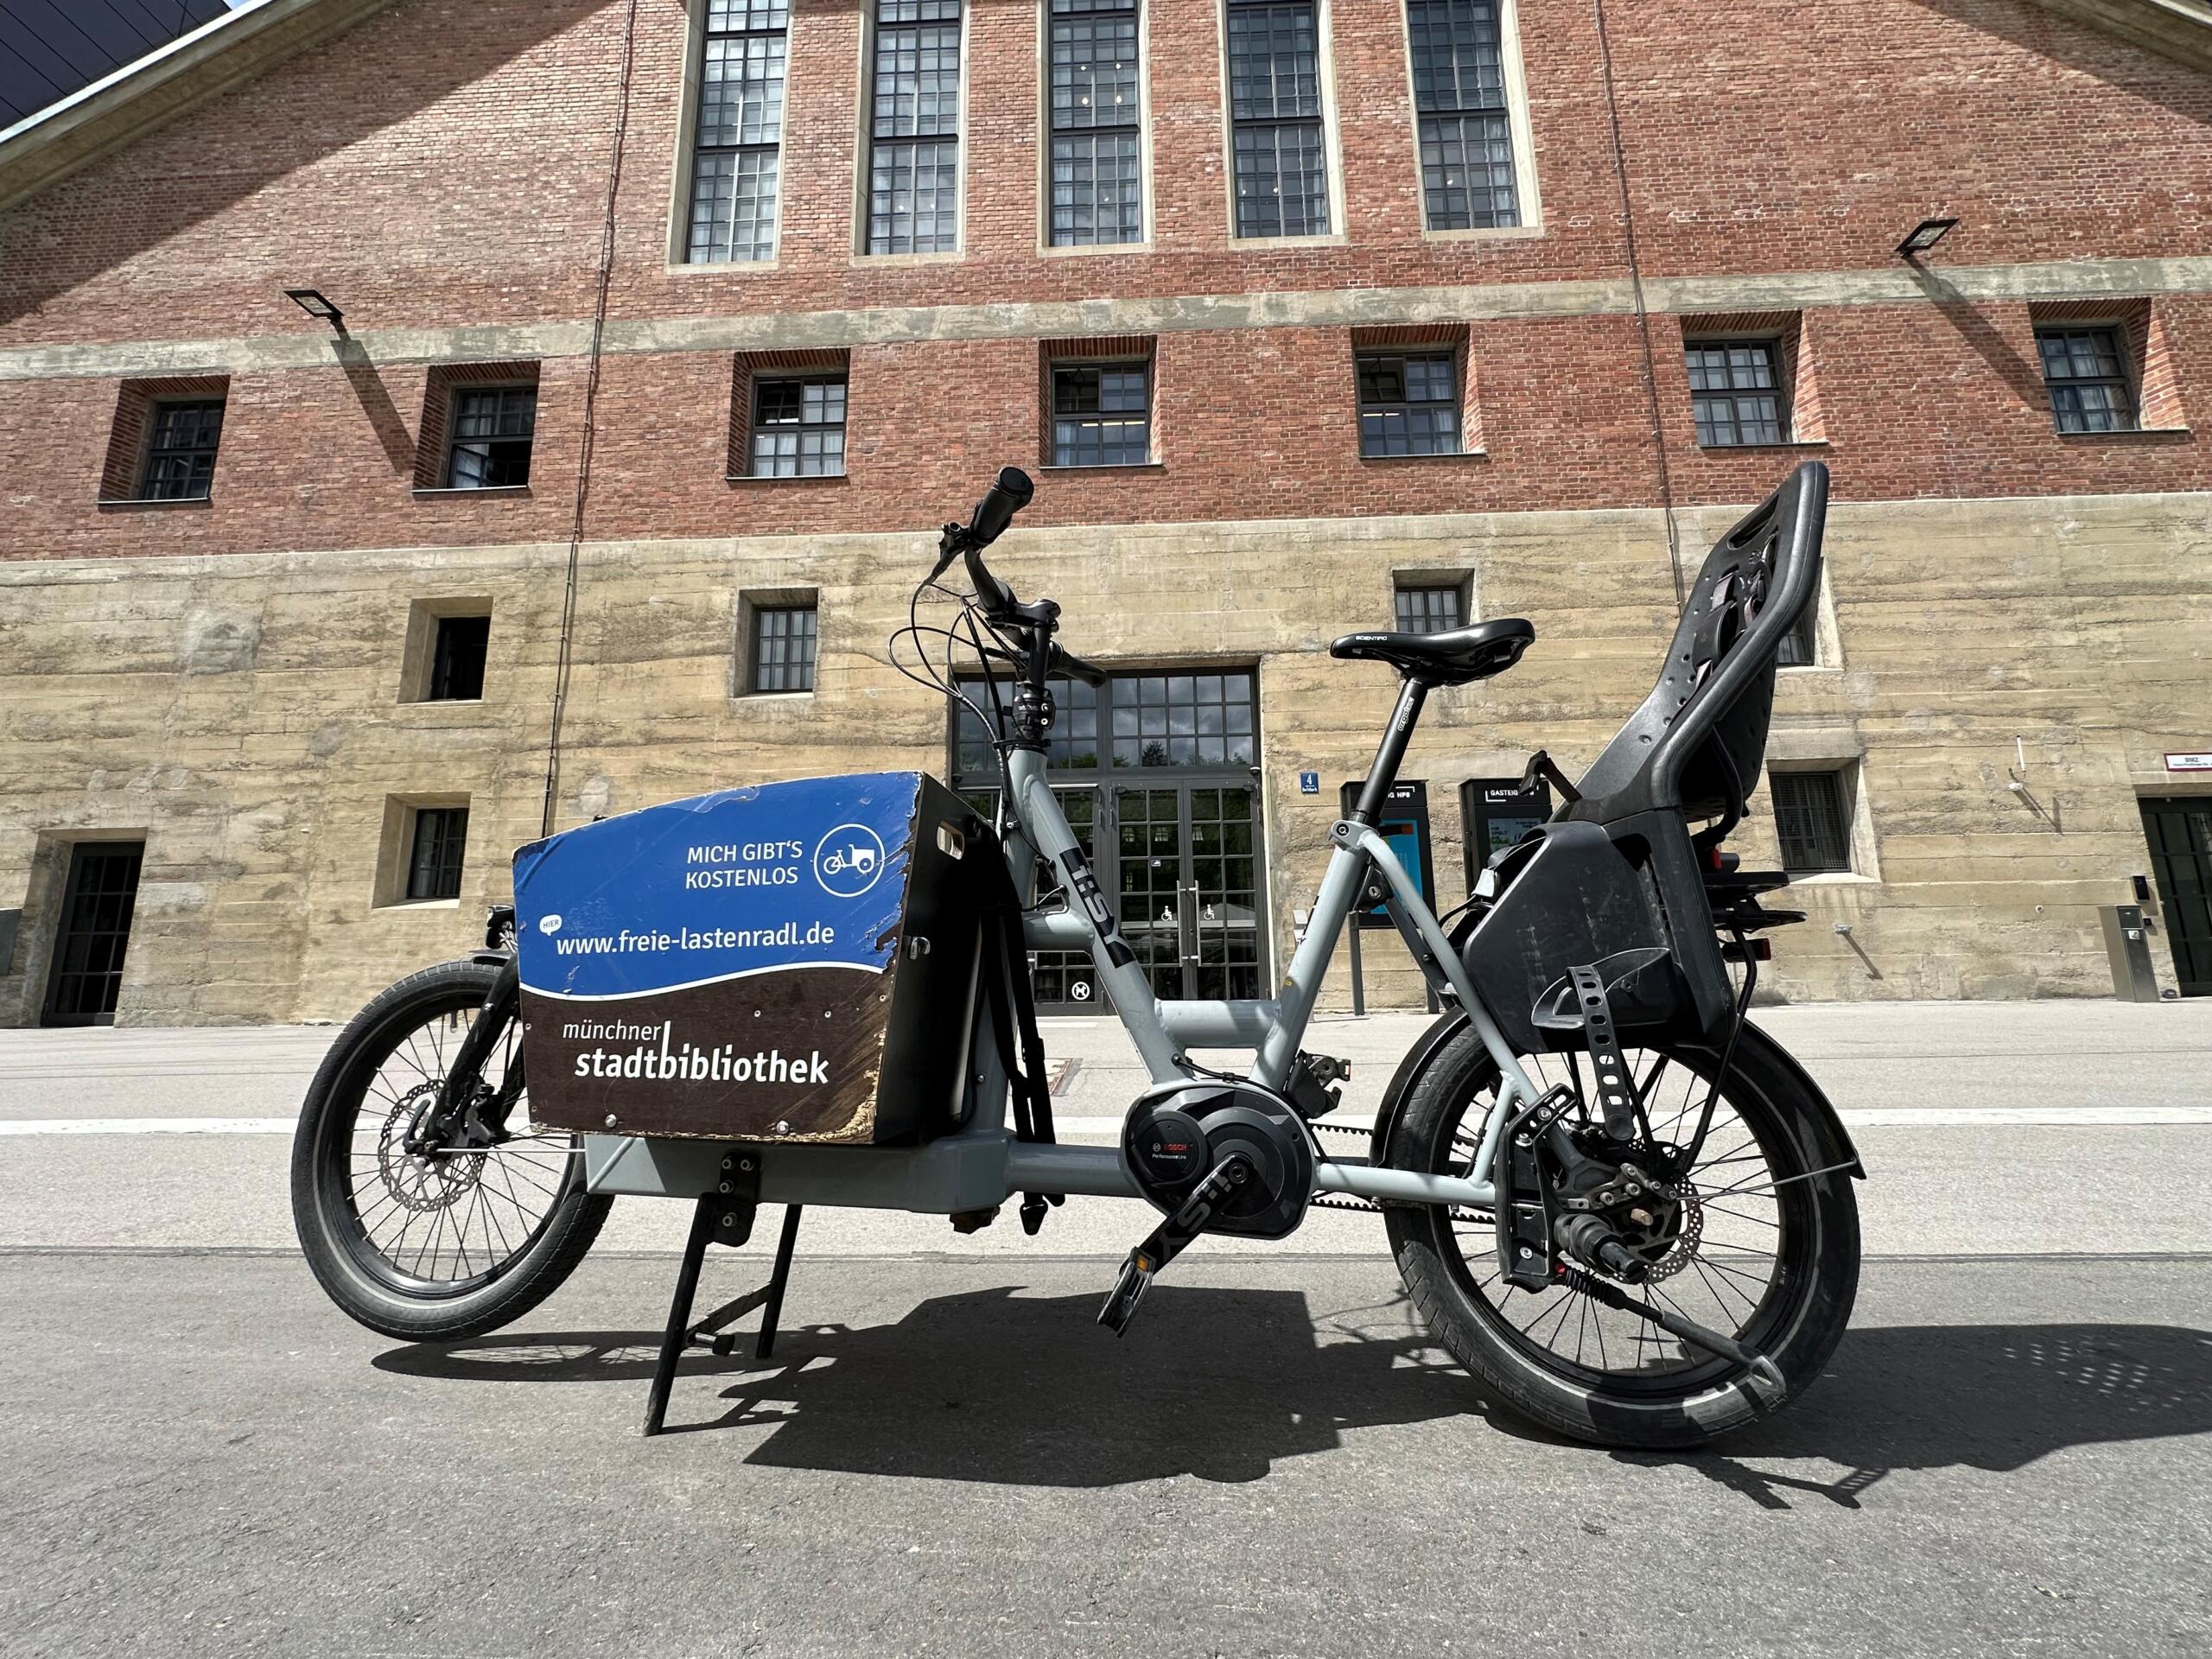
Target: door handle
<point x="1186" y="921"/>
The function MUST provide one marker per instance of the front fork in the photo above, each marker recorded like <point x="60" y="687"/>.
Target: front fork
<point x="469" y="1114"/>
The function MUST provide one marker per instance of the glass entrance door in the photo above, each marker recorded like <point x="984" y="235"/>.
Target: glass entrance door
<point x="1187" y="874"/>
<point x="1156" y="775"/>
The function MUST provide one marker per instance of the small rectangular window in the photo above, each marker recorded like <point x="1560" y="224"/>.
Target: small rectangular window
<point x="1428" y="608"/>
<point x="1274" y="112"/>
<point x="2087" y="373"/>
<point x="1797" y="645"/>
<point x="1736" y="393"/>
<point x="914" y="128"/>
<point x="783" y="648"/>
<point x="181" y="456"/>
<point x="738" y="147"/>
<point x="1812" y="820"/>
<point x="457" y="658"/>
<point x="489" y="440"/>
<point x="435" y="854"/>
<point x="1102" y="415"/>
<point x="1408" y="403"/>
<point x="1466" y="138"/>
<point x="798" y="427"/>
<point x="1097" y="191"/>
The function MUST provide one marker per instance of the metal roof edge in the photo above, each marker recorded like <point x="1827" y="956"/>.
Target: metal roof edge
<point x="220" y="55"/>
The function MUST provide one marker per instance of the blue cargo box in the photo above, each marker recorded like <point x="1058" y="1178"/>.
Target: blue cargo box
<point x="790" y="962"/>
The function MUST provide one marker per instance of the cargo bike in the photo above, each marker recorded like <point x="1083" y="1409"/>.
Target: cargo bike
<point x="1622" y="1207"/>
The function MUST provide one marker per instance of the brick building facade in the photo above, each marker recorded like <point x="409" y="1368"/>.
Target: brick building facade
<point x="241" y="677"/>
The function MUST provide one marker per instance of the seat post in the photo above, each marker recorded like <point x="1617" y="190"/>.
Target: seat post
<point x="1390" y="754"/>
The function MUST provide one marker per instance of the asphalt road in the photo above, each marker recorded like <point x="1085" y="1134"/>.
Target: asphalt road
<point x="2011" y="1452"/>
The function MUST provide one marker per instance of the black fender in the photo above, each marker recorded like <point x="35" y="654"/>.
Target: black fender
<point x="1827" y="1122"/>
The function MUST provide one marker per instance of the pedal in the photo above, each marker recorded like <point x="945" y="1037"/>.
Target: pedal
<point x="1129" y="1290"/>
<point x="1169" y="1239"/>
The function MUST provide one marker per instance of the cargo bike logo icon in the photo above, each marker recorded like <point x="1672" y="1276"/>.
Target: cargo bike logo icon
<point x="848" y="861"/>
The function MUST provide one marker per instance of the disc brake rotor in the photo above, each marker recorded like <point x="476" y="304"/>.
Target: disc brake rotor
<point x="1669" y="1249"/>
<point x="416" y="1183"/>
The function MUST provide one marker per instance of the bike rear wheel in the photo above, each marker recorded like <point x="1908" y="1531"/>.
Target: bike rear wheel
<point x="446" y="1246"/>
<point x="1761" y="1244"/>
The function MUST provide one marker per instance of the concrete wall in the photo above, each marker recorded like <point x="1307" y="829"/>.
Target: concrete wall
<point x="242" y="712"/>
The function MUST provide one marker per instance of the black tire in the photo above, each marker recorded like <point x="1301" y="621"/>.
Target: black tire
<point x="376" y="1071"/>
<point x="1638" y="1395"/>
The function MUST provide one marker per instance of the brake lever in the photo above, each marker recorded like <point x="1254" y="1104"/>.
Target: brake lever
<point x="949" y="546"/>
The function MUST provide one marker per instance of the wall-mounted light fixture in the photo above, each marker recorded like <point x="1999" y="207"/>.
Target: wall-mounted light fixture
<point x="316" y="305"/>
<point x="1925" y="235"/>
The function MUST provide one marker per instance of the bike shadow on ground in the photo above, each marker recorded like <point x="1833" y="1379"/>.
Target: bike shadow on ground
<point x="990" y="1385"/>
<point x="1995" y="1397"/>
<point x="995" y="1386"/>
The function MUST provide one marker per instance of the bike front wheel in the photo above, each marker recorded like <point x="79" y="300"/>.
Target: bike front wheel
<point x="443" y="1246"/>
<point x="1760" y="1243"/>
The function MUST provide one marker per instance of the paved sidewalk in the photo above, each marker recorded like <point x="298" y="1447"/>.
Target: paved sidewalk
<point x="1889" y="1056"/>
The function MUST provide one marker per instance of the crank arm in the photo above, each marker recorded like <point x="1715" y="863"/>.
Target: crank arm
<point x="1169" y="1239"/>
<point x="1689" y="1330"/>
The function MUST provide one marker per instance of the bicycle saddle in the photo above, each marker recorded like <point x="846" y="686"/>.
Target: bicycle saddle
<point x="1459" y="657"/>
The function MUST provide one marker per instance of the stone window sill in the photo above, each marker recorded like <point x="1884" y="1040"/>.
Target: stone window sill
<point x="418" y="904"/>
<point x="721" y="267"/>
<point x="421" y="491"/>
<point x="1107" y="467"/>
<point x="901" y="261"/>
<point x="139" y="503"/>
<point x="1078" y="250"/>
<point x="1485" y="233"/>
<point x="1761" y="448"/>
<point x="1835" y="879"/>
<point x="785" y="478"/>
<point x="2139" y="433"/>
<point x="1433" y="454"/>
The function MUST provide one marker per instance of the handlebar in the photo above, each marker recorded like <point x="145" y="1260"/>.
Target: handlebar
<point x="1066" y="662"/>
<point x="1006" y="496"/>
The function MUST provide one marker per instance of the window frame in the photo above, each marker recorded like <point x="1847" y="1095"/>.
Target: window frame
<point x="454" y="442"/>
<point x="2117" y="338"/>
<point x="1455" y="359"/>
<point x="757" y="610"/>
<point x="1403" y="587"/>
<point x="1512" y="107"/>
<point x="1325" y="117"/>
<point x="761" y="381"/>
<point x="443" y="657"/>
<point x="864" y="170"/>
<point x="1048" y="16"/>
<point x="1783" y="392"/>
<point x="1101" y="417"/>
<point x="412" y="866"/>
<point x="1843" y="777"/>
<point x="154" y="451"/>
<point x="1807" y="628"/>
<point x="683" y="216"/>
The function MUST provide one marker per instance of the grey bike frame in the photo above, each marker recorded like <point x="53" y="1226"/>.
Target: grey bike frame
<point x="982" y="1164"/>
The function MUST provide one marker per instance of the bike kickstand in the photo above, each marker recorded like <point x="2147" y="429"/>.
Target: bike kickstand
<point x="719" y="1219"/>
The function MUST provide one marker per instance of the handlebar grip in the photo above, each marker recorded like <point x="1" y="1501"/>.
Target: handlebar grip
<point x="1001" y="502"/>
<point x="1066" y="662"/>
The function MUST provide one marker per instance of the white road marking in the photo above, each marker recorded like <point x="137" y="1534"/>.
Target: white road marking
<point x="1883" y="1117"/>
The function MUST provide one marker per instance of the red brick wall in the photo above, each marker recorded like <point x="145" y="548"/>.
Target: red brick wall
<point x="444" y="164"/>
